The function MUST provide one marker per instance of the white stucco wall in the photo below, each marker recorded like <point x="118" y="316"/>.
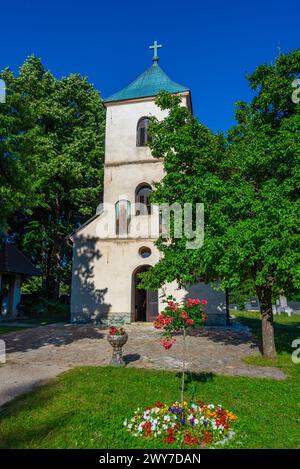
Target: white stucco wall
<point x="122" y="181"/>
<point x="126" y="164"/>
<point x="121" y="124"/>
<point x="102" y="287"/>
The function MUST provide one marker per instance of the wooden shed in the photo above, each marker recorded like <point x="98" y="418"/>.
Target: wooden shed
<point x="14" y="267"/>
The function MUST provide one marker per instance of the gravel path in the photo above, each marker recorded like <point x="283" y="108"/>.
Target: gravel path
<point x="38" y="354"/>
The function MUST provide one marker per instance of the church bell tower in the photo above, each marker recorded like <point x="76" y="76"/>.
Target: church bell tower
<point x="106" y="265"/>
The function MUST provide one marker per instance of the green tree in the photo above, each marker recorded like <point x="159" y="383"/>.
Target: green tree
<point x="242" y="293"/>
<point x="249" y="184"/>
<point x="17" y="166"/>
<point x="61" y="127"/>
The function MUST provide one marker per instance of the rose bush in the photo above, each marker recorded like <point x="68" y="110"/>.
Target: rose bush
<point x="178" y="317"/>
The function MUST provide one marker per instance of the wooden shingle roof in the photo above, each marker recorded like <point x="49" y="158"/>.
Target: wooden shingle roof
<point x="13" y="261"/>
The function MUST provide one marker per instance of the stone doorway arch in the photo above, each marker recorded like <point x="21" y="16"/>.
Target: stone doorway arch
<point x="144" y="302"/>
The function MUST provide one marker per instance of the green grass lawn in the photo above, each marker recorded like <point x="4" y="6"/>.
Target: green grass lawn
<point x="86" y="407"/>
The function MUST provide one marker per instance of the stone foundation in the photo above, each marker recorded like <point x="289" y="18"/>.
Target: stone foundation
<point x="125" y="318"/>
<point x="98" y="318"/>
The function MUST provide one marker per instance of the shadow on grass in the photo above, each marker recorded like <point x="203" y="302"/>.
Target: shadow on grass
<point x="22" y="436"/>
<point x="284" y="333"/>
<point x="192" y="379"/>
<point x="198" y="377"/>
<point x="27" y="409"/>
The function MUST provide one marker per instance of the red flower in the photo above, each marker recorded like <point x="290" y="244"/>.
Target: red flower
<point x="158" y="404"/>
<point x="207" y="437"/>
<point x="190" y="322"/>
<point x="168" y="320"/>
<point x="190" y="440"/>
<point x="169" y="439"/>
<point x="192" y="302"/>
<point x="157" y="325"/>
<point x="204" y="302"/>
<point x="173" y="306"/>
<point x="159" y="321"/>
<point x="162" y="321"/>
<point x="167" y="343"/>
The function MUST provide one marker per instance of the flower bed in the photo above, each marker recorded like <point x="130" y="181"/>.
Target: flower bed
<point x="196" y="424"/>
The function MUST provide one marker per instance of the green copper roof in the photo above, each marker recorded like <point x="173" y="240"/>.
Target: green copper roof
<point x="149" y="83"/>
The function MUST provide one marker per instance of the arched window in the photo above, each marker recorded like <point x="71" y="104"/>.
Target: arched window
<point x="142" y="136"/>
<point x="123" y="214"/>
<point x="142" y="199"/>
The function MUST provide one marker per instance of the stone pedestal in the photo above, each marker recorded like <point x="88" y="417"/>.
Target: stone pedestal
<point x="117" y="342"/>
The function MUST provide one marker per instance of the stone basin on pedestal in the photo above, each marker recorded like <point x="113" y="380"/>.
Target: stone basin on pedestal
<point x="117" y="342"/>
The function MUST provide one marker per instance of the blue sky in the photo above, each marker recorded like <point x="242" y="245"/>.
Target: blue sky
<point x="208" y="46"/>
<point x="2" y="90"/>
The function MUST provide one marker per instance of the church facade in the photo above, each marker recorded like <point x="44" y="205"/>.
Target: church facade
<point x="117" y="243"/>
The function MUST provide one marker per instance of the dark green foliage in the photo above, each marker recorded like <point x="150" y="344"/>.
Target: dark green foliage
<point x="249" y="184"/>
<point x="243" y="293"/>
<point x="37" y="308"/>
<point x="51" y="158"/>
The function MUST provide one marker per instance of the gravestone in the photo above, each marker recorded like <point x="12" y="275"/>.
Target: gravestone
<point x="252" y="304"/>
<point x="282" y="305"/>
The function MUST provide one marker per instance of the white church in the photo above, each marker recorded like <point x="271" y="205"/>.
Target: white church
<point x="106" y="262"/>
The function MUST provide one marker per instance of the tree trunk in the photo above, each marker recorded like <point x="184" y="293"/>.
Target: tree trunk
<point x="264" y="293"/>
<point x="53" y="261"/>
<point x="52" y="286"/>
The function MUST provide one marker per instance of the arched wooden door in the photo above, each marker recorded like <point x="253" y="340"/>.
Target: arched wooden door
<point x="152" y="305"/>
<point x="145" y="301"/>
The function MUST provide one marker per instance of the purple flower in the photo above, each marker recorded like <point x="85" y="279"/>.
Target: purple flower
<point x="205" y="424"/>
<point x="192" y="421"/>
<point x="182" y="422"/>
<point x="175" y="409"/>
